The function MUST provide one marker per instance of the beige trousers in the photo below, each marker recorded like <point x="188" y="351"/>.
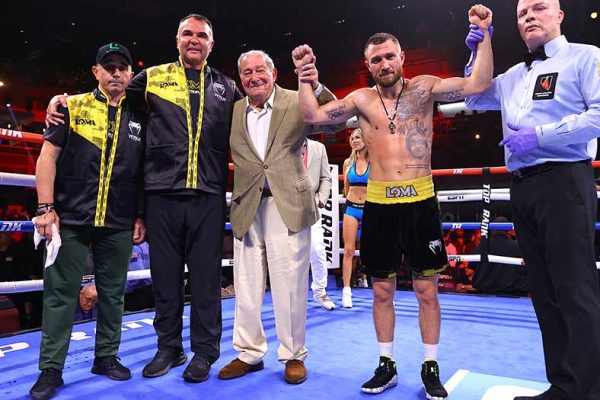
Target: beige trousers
<point x="270" y="246"/>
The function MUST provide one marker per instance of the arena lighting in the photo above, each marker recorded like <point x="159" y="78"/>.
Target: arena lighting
<point x="477" y="136"/>
<point x="594" y="15"/>
<point x="1" y="83"/>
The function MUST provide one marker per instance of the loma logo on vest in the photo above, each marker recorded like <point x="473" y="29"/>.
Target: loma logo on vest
<point x="84" y="119"/>
<point x="400" y="191"/>
<point x="167" y="84"/>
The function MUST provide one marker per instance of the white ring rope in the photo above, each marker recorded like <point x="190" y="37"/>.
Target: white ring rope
<point x="38" y="284"/>
<point x="501" y="194"/>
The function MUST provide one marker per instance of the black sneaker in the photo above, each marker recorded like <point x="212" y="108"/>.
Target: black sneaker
<point x="430" y="375"/>
<point x="46" y="384"/>
<point x="111" y="367"/>
<point x="197" y="370"/>
<point x="162" y="362"/>
<point x="385" y="377"/>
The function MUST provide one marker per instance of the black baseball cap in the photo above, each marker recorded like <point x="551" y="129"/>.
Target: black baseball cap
<point x="113" y="48"/>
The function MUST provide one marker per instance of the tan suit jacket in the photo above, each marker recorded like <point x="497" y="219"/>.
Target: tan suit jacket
<point x="282" y="166"/>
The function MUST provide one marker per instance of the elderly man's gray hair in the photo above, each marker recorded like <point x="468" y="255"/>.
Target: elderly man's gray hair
<point x="261" y="53"/>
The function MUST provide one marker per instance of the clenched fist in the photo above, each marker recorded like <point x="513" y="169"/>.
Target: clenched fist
<point x="481" y="16"/>
<point x="303" y="55"/>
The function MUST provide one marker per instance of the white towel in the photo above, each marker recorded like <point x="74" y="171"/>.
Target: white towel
<point x="52" y="245"/>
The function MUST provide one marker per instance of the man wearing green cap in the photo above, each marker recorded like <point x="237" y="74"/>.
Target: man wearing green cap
<point x="88" y="180"/>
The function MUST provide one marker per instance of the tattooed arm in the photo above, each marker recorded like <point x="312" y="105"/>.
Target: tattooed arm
<point x="334" y="112"/>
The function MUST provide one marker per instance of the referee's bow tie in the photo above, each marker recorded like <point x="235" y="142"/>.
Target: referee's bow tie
<point x="539" y="54"/>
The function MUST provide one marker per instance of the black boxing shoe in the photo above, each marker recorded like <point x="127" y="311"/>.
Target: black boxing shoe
<point x="430" y="375"/>
<point x="163" y="361"/>
<point x="385" y="377"/>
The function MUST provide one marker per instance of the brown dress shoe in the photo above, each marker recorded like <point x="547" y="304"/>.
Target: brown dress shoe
<point x="295" y="372"/>
<point x="238" y="368"/>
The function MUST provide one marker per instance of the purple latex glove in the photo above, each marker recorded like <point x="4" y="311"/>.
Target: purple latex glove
<point x="522" y="140"/>
<point x="474" y="37"/>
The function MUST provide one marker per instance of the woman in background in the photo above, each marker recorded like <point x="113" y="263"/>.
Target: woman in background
<point x="356" y="175"/>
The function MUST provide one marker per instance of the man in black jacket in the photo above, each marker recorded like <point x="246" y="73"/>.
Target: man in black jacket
<point x="185" y="175"/>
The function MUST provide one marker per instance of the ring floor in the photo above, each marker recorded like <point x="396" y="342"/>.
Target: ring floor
<point x="490" y="349"/>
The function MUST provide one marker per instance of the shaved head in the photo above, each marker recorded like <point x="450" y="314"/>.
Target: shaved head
<point x="539" y="21"/>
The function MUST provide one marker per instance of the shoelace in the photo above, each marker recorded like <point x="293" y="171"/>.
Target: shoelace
<point x="432" y="369"/>
<point x="382" y="367"/>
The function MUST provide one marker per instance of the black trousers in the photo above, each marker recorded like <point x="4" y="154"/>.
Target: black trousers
<point x="187" y="230"/>
<point x="554" y="213"/>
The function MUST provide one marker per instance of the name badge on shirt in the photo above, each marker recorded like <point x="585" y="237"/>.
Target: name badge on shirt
<point x="545" y="86"/>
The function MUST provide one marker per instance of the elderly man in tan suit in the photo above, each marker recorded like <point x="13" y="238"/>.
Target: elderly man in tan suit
<point x="272" y="210"/>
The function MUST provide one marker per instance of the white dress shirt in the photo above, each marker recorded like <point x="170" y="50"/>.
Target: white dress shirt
<point x="259" y="122"/>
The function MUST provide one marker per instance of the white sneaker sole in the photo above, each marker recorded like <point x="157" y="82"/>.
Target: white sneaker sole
<point x="391" y="383"/>
<point x="430" y="397"/>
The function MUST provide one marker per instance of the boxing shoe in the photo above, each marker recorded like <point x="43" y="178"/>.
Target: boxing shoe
<point x="430" y="375"/>
<point x="385" y="376"/>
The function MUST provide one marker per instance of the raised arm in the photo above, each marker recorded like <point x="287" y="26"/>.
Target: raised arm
<point x="453" y="89"/>
<point x="334" y="112"/>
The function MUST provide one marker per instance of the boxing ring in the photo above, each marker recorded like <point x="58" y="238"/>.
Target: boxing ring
<point x="490" y="346"/>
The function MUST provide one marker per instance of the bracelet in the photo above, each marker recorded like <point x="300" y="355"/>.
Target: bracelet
<point x="43" y="208"/>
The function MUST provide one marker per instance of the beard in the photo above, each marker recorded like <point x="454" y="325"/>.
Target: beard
<point x="388" y="80"/>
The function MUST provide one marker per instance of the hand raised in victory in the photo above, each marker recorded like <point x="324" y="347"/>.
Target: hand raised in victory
<point x="481" y="16"/>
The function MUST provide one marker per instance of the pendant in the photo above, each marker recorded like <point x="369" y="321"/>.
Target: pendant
<point x="392" y="127"/>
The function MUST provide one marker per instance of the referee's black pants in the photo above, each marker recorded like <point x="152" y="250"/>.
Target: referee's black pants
<point x="554" y="212"/>
<point x="187" y="230"/>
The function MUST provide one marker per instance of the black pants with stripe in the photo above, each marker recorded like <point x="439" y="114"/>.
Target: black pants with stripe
<point x="554" y="214"/>
<point x="187" y="230"/>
